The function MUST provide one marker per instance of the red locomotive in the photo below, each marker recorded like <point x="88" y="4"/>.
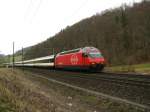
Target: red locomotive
<point x="82" y="58"/>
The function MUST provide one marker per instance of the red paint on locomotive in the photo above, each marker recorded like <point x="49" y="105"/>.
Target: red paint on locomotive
<point x="86" y="58"/>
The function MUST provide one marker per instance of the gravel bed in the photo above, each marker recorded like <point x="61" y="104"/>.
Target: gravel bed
<point x="137" y="94"/>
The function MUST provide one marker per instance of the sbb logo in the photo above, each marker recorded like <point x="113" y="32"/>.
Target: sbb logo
<point x="74" y="59"/>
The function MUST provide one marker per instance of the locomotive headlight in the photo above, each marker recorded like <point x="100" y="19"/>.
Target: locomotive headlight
<point x="93" y="63"/>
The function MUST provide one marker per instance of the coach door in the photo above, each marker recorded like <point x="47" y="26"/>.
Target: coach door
<point x="84" y="58"/>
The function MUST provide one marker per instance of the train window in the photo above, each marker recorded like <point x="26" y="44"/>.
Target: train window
<point x="95" y="54"/>
<point x="42" y="61"/>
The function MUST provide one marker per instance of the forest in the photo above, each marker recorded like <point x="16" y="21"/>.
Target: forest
<point x="122" y="35"/>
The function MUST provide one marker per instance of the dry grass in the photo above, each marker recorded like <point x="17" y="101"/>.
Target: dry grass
<point x="140" y="68"/>
<point x="22" y="94"/>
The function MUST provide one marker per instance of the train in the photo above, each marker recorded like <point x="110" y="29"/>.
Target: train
<point x="85" y="58"/>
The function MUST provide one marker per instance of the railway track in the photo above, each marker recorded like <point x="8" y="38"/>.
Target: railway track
<point x="122" y="79"/>
<point x="135" y="80"/>
<point x="129" y="79"/>
<point x="135" y="88"/>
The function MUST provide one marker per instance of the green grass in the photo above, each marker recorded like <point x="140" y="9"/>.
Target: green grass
<point x="8" y="59"/>
<point x="5" y="106"/>
<point x="18" y="58"/>
<point x="143" y="68"/>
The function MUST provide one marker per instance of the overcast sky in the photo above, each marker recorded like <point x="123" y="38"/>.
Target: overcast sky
<point x="28" y="22"/>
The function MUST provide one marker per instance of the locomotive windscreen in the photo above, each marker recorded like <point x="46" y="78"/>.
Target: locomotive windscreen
<point x="90" y="49"/>
<point x="95" y="54"/>
<point x="92" y="52"/>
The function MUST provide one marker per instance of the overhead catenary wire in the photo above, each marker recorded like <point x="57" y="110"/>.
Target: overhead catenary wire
<point x="29" y="8"/>
<point x="68" y="18"/>
<point x="37" y="8"/>
<point x="79" y="8"/>
<point x="33" y="9"/>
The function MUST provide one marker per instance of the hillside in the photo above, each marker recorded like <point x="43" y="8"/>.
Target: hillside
<point x="122" y="34"/>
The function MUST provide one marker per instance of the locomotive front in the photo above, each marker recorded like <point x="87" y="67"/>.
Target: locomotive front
<point x="93" y="58"/>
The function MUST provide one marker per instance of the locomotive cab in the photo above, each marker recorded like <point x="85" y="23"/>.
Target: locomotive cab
<point x="94" y="58"/>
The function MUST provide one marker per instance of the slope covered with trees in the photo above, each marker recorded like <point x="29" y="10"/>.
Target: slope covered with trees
<point x="122" y="34"/>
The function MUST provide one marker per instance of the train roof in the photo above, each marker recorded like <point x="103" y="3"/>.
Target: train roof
<point x="75" y="50"/>
<point x="37" y="59"/>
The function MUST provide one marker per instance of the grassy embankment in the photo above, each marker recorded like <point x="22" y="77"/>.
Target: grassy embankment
<point x="18" y="94"/>
<point x="139" y="68"/>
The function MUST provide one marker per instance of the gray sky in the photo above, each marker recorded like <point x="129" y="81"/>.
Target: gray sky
<point x="28" y="22"/>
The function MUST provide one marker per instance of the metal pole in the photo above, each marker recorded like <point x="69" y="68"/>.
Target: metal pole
<point x="22" y="56"/>
<point x="13" y="54"/>
<point x="53" y="51"/>
<point x="9" y="59"/>
<point x="22" y="60"/>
